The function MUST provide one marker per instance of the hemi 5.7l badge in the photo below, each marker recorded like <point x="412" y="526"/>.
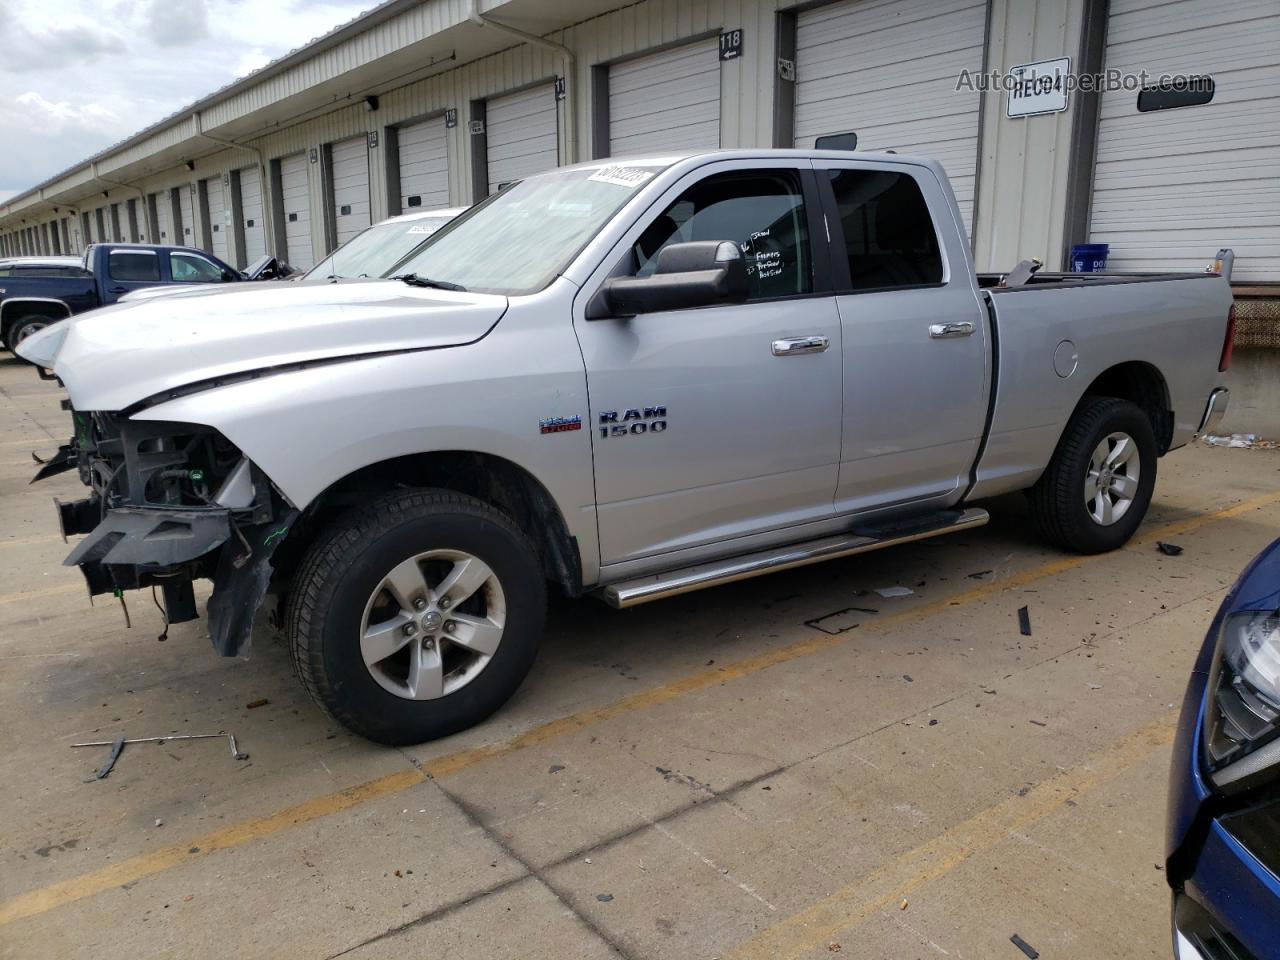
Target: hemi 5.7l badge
<point x="559" y="424"/>
<point x="633" y="422"/>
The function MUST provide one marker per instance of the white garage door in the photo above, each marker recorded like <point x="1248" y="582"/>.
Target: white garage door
<point x="296" y="191"/>
<point x="424" y="165"/>
<point x="187" y="212"/>
<point x="523" y="134"/>
<point x="886" y="70"/>
<point x="255" y="235"/>
<point x="217" y="218"/>
<point x="666" y="101"/>
<point x="1172" y="186"/>
<point x="350" y="186"/>
<point x="164" y="230"/>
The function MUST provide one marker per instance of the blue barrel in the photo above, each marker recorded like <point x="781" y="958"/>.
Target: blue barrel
<point x="1089" y="257"/>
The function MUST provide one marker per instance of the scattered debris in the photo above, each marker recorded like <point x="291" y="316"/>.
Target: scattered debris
<point x="978" y="575"/>
<point x="907" y="677"/>
<point x="1095" y="686"/>
<point x="933" y="722"/>
<point x="1038" y="723"/>
<point x="834" y="948"/>
<point x="117" y="745"/>
<point x="1168" y="549"/>
<point x="399" y="874"/>
<point x="159" y="822"/>
<point x="1024" y="621"/>
<point x="604" y="897"/>
<point x="894" y="591"/>
<point x="255" y="704"/>
<point x="841" y="621"/>
<point x="586" y="859"/>
<point x="1031" y="952"/>
<point x="555" y="768"/>
<point x="1241" y="441"/>
<point x="902" y="905"/>
<point x="1024" y="790"/>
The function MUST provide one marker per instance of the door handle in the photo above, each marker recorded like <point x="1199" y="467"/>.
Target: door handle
<point x="945" y="331"/>
<point x="794" y="346"/>
<point x="117" y="290"/>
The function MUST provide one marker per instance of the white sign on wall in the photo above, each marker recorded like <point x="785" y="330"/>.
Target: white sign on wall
<point x="1036" y="88"/>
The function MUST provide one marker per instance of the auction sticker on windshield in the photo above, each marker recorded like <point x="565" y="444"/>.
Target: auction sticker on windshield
<point x="622" y="176"/>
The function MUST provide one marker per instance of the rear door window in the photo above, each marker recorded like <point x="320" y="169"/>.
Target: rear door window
<point x="889" y="236"/>
<point x="138" y="266"/>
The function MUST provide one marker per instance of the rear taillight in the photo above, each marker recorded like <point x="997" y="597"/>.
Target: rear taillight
<point x="1228" y="341"/>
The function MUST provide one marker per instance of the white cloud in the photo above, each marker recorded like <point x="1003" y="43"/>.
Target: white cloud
<point x="177" y="23"/>
<point x="78" y="87"/>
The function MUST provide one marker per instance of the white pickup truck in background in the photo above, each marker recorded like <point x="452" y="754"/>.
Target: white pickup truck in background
<point x="634" y="378"/>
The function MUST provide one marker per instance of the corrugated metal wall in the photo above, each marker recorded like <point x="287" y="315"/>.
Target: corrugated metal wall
<point x="1024" y="161"/>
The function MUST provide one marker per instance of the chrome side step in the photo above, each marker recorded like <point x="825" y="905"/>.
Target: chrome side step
<point x="630" y="593"/>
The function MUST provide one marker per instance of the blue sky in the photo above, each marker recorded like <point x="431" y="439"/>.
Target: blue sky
<point x="79" y="76"/>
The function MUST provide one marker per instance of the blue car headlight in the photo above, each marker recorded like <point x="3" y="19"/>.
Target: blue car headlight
<point x="1242" y="714"/>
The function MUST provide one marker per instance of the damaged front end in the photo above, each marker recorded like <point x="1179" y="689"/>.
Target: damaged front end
<point x="170" y="503"/>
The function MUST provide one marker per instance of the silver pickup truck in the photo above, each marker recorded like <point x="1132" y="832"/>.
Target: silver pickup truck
<point x="631" y="378"/>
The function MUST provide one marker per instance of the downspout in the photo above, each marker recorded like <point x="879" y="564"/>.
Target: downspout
<point x="570" y="71"/>
<point x="269" y="228"/>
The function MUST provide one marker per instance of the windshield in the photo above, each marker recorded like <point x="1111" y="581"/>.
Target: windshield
<point x="520" y="239"/>
<point x="373" y="252"/>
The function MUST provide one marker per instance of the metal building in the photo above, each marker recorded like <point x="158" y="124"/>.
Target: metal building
<point x="423" y="103"/>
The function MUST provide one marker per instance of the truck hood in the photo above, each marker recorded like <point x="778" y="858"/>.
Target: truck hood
<point x="113" y="358"/>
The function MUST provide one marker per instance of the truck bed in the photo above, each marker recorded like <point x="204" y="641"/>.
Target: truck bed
<point x="1049" y="350"/>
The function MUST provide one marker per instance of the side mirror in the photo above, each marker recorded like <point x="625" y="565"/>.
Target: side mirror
<point x="228" y="276"/>
<point x="698" y="274"/>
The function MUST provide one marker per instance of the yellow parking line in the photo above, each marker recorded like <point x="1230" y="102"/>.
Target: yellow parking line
<point x="156" y="861"/>
<point x="853" y="904"/>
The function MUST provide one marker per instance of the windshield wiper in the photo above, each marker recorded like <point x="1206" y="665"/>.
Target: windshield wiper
<point x="416" y="281"/>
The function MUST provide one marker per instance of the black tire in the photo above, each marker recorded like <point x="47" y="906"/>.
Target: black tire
<point x="24" y="327"/>
<point x="342" y="570"/>
<point x="1058" y="503"/>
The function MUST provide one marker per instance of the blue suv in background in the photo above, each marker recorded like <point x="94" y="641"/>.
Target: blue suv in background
<point x="1224" y="798"/>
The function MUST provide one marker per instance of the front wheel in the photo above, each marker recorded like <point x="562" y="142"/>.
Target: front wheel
<point x="1096" y="489"/>
<point x="416" y="616"/>
<point x="25" y="327"/>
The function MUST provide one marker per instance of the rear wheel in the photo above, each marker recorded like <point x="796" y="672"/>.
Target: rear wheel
<point x="1097" y="487"/>
<point x="417" y="616"/>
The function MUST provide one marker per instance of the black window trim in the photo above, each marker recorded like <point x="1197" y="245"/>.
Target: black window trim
<point x="842" y="280"/>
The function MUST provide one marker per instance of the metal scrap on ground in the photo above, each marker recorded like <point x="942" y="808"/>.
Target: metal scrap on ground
<point x="117" y="747"/>
<point x="1025" y="947"/>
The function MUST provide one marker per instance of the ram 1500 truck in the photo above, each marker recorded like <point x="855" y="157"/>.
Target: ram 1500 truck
<point x="632" y="378"/>
<point x="31" y="301"/>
